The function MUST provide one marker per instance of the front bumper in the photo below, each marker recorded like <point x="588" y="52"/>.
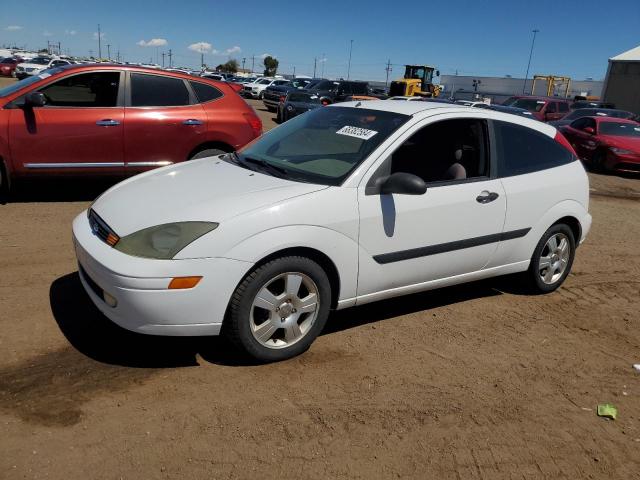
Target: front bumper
<point x="622" y="163"/>
<point x="139" y="286"/>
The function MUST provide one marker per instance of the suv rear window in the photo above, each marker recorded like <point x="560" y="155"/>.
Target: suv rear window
<point x="158" y="91"/>
<point x="204" y="92"/>
<point x="525" y="150"/>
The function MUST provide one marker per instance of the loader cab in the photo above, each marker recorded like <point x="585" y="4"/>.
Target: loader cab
<point x="417" y="81"/>
<point x="419" y="72"/>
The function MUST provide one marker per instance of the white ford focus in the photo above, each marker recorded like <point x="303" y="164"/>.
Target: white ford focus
<point x="338" y="207"/>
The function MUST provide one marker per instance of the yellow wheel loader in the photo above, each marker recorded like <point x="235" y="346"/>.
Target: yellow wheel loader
<point x="417" y="82"/>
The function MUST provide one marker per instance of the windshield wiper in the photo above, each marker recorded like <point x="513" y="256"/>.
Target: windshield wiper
<point x="266" y="166"/>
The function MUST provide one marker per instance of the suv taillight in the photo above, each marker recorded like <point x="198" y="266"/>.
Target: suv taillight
<point x="282" y="98"/>
<point x="253" y="120"/>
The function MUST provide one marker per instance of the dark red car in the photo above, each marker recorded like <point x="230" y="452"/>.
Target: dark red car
<point x="545" y="109"/>
<point x="116" y="120"/>
<point x="606" y="143"/>
<point x="8" y="66"/>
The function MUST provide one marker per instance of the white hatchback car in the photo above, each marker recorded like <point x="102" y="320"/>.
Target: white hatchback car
<point x="338" y="207"/>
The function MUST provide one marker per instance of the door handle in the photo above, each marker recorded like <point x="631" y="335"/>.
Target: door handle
<point x="192" y="121"/>
<point x="107" y="122"/>
<point x="486" y="197"/>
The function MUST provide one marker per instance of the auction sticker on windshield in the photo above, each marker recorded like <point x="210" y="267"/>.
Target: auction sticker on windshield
<point x="357" y="132"/>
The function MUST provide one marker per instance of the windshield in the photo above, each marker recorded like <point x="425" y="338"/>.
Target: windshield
<point x="323" y="146"/>
<point x="14" y="87"/>
<point x="528" y="104"/>
<point x="264" y="82"/>
<point x="583" y="112"/>
<point x="40" y="61"/>
<point x="616" y="129"/>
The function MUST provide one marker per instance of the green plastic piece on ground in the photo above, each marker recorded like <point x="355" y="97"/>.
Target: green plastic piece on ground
<point x="607" y="410"/>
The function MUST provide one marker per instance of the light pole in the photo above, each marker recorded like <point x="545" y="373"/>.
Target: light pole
<point x="533" y="41"/>
<point x="349" y="67"/>
<point x="324" y="60"/>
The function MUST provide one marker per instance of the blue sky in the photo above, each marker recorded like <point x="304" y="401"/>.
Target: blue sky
<point x="473" y="37"/>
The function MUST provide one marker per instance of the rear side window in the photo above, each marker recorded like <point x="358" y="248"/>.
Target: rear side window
<point x="524" y="150"/>
<point x="563" y="107"/>
<point x="552" y="107"/>
<point x="157" y="91"/>
<point x="204" y="92"/>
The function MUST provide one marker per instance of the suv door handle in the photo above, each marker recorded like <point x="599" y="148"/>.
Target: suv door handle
<point x="192" y="121"/>
<point x="486" y="197"/>
<point x="107" y="122"/>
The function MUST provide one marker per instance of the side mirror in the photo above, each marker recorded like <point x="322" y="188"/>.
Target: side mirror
<point x="589" y="130"/>
<point x="403" y="183"/>
<point x="35" y="99"/>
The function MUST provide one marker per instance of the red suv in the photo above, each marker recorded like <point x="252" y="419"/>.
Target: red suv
<point x="545" y="109"/>
<point x="116" y="119"/>
<point x="8" y="66"/>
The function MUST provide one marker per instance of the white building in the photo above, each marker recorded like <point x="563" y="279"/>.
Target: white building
<point x="622" y="83"/>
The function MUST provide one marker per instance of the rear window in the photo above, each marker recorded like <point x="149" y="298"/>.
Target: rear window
<point x="204" y="92"/>
<point x="158" y="91"/>
<point x="524" y="150"/>
<point x="528" y="104"/>
<point x="303" y="97"/>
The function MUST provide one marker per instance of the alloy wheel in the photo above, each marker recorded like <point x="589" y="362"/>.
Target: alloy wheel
<point x="284" y="310"/>
<point x="554" y="258"/>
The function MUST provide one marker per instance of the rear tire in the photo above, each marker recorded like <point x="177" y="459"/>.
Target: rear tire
<point x="552" y="259"/>
<point x="279" y="309"/>
<point x="209" y="152"/>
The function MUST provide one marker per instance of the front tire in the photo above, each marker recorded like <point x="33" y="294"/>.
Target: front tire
<point x="279" y="309"/>
<point x="209" y="152"/>
<point x="552" y="259"/>
<point x="598" y="161"/>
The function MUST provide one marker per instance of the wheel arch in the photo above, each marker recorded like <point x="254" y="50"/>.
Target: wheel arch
<point x="212" y="144"/>
<point x="312" y="254"/>
<point x="574" y="224"/>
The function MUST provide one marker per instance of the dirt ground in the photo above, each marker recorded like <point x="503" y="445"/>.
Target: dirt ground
<point x="475" y="381"/>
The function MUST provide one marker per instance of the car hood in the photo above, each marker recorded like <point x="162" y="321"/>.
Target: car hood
<point x="32" y="65"/>
<point x="207" y="189"/>
<point x="628" y="143"/>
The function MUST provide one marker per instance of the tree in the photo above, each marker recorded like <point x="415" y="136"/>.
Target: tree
<point x="270" y="66"/>
<point x="231" y="66"/>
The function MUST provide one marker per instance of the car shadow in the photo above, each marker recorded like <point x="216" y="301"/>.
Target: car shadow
<point x="59" y="189"/>
<point x="96" y="337"/>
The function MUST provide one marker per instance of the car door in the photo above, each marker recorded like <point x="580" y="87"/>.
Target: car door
<point x="452" y="229"/>
<point x="79" y="129"/>
<point x="551" y="112"/>
<point x="581" y="139"/>
<point x="163" y="121"/>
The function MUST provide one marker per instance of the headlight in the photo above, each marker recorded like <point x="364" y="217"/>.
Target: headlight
<point x="621" y="151"/>
<point x="163" y="241"/>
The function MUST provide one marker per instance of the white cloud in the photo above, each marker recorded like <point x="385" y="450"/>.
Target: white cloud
<point x="322" y="60"/>
<point x="70" y="32"/>
<point x="202" y="47"/>
<point x="47" y="33"/>
<point x="154" y="42"/>
<point x="13" y="28"/>
<point x="232" y="50"/>
<point x="95" y="35"/>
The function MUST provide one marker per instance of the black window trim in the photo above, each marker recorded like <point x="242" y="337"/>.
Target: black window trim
<point x="120" y="99"/>
<point x="192" y="92"/>
<point x="373" y="186"/>
<point x="193" y="100"/>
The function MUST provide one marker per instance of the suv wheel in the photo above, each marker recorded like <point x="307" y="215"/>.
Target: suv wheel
<point x="552" y="259"/>
<point x="279" y="309"/>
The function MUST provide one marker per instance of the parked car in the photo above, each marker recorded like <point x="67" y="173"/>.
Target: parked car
<point x="8" y="66"/>
<point x="275" y="94"/>
<point x="214" y="76"/>
<point x="606" y="143"/>
<point x="297" y="102"/>
<point x="37" y="65"/>
<point x="332" y="91"/>
<point x="591" y="104"/>
<point x="332" y="210"/>
<point x="257" y="88"/>
<point x="80" y="120"/>
<point x="592" y="112"/>
<point x="545" y="109"/>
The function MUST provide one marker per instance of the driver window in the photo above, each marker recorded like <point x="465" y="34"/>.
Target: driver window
<point x="97" y="89"/>
<point x="450" y="150"/>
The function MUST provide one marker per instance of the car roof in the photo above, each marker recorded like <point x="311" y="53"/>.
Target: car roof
<point x="541" y="97"/>
<point x="614" y="120"/>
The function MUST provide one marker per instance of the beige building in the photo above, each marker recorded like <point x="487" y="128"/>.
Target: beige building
<point x="622" y="83"/>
